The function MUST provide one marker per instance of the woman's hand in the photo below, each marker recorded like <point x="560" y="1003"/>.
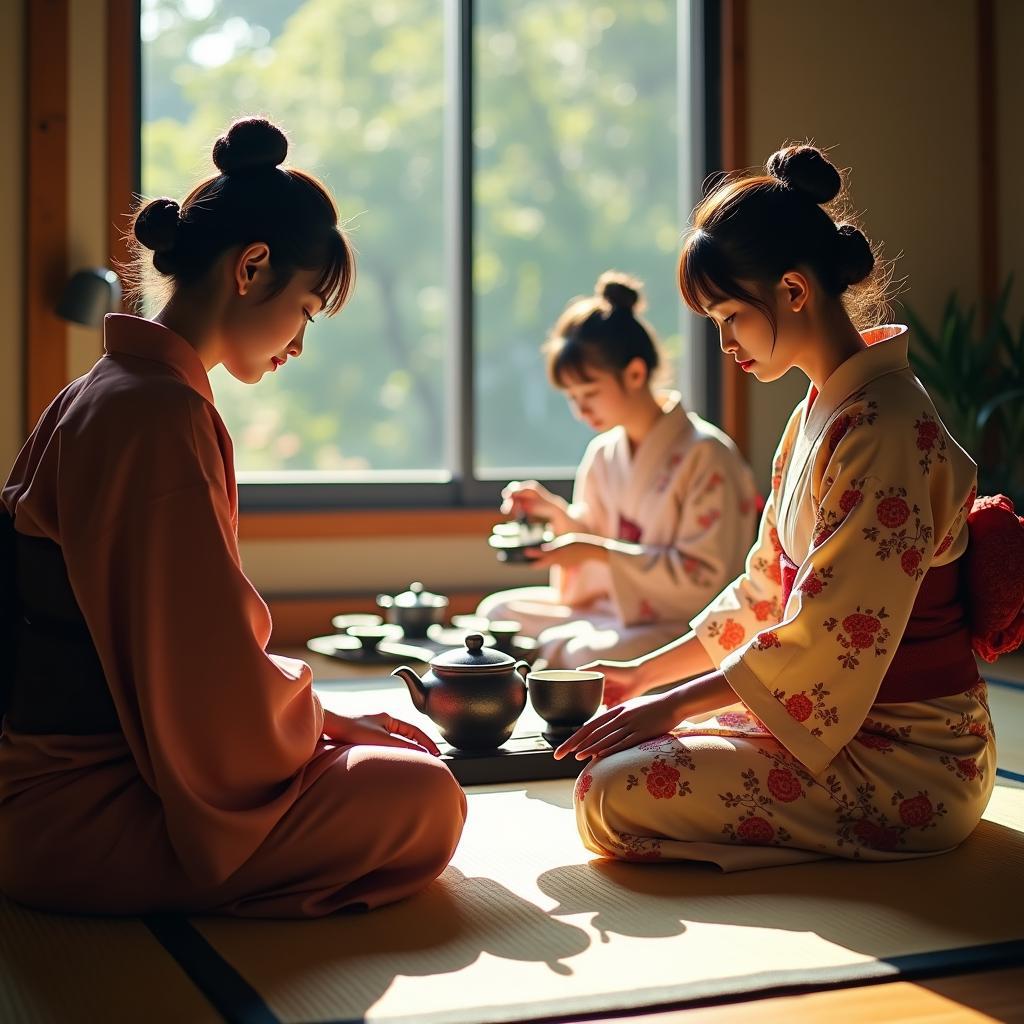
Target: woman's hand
<point x="534" y="501"/>
<point x="622" y="680"/>
<point x="625" y="726"/>
<point x="568" y="551"/>
<point x="377" y="730"/>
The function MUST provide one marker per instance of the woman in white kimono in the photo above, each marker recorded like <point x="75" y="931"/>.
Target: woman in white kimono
<point x="663" y="504"/>
<point x="837" y="709"/>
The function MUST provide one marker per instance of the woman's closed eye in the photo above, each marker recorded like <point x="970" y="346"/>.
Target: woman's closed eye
<point x="309" y="316"/>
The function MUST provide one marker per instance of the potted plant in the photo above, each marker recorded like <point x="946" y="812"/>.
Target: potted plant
<point x="975" y="374"/>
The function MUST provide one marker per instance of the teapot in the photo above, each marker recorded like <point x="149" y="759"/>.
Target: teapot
<point x="415" y="609"/>
<point x="474" y="694"/>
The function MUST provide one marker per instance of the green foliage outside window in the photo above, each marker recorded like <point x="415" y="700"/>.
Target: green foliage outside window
<point x="575" y="149"/>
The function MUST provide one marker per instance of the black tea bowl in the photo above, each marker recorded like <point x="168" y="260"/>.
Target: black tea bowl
<point x="565" y="699"/>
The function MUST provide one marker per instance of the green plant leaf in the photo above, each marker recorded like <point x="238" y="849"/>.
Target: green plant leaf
<point x="994" y="403"/>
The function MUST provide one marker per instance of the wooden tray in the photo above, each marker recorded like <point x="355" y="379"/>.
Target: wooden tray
<point x="524" y="758"/>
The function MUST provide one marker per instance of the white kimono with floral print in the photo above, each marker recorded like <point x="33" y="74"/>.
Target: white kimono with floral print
<point x="869" y="491"/>
<point x="682" y="508"/>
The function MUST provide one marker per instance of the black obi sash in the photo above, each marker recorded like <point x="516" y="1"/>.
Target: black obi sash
<point x="51" y="679"/>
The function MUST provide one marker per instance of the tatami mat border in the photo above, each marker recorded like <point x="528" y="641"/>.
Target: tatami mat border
<point x="235" y="998"/>
<point x="229" y="993"/>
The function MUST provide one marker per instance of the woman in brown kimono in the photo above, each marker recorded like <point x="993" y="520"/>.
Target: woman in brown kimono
<point x="153" y="755"/>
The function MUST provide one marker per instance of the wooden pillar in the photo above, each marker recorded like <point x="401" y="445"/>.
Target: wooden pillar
<point x="988" y="155"/>
<point x="46" y="202"/>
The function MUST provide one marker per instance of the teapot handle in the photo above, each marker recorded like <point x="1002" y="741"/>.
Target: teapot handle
<point x="521" y="668"/>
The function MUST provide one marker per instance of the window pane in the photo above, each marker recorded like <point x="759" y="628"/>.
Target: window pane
<point x="359" y="86"/>
<point x="576" y="156"/>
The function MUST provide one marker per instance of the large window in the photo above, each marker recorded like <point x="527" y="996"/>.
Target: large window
<point x="491" y="159"/>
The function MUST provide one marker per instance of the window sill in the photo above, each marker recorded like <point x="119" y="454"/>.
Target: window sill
<point x="366" y="523"/>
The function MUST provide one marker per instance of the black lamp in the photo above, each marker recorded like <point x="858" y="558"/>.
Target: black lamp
<point x="88" y="295"/>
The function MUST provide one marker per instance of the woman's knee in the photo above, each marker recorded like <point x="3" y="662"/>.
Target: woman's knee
<point x="417" y="793"/>
<point x="597" y="797"/>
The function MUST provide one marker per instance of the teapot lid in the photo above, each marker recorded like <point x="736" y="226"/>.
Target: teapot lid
<point x="474" y="657"/>
<point x="417" y="597"/>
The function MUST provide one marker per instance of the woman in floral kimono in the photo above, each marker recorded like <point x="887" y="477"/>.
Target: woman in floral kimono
<point x="153" y="755"/>
<point x="837" y="708"/>
<point x="663" y="504"/>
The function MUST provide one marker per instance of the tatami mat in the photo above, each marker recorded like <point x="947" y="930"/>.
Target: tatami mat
<point x="56" y="969"/>
<point x="1006" y="699"/>
<point x="526" y="925"/>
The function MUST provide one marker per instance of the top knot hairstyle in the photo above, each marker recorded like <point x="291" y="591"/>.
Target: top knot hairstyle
<point x="601" y="332"/>
<point x="754" y="228"/>
<point x="252" y="199"/>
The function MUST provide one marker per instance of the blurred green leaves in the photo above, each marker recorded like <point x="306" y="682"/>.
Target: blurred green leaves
<point x="575" y="157"/>
<point x="974" y="370"/>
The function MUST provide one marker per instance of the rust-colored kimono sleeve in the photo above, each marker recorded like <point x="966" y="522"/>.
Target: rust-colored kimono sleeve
<point x="220" y="730"/>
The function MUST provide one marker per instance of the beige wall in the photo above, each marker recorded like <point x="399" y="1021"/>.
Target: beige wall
<point x="12" y="102"/>
<point x="893" y="87"/>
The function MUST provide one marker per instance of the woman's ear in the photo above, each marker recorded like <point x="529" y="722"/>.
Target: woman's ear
<point x="794" y="290"/>
<point x="252" y="262"/>
<point x="634" y="376"/>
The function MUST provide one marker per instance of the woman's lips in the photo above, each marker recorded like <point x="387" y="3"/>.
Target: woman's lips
<point x="276" y="362"/>
<point x="747" y="364"/>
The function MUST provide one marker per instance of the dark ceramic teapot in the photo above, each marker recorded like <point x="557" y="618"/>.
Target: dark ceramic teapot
<point x="474" y="694"/>
<point x="415" y="609"/>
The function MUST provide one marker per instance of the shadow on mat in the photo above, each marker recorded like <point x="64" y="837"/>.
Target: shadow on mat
<point x="444" y="929"/>
<point x="842" y="901"/>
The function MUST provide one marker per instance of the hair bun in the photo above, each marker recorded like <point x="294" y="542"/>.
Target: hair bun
<point x="806" y="169"/>
<point x="156" y="224"/>
<point x="855" y="260"/>
<point x="251" y="144"/>
<point x="620" y="291"/>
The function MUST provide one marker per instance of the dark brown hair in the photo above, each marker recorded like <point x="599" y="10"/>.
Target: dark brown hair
<point x="753" y="227"/>
<point x="601" y="332"/>
<point x="252" y="199"/>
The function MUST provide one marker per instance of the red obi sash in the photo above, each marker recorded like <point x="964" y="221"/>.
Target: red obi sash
<point x="974" y="602"/>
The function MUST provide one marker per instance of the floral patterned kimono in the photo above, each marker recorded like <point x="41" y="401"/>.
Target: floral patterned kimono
<point x="683" y="506"/>
<point x="862" y="728"/>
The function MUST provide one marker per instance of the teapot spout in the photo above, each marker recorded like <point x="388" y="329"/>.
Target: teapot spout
<point x="417" y="690"/>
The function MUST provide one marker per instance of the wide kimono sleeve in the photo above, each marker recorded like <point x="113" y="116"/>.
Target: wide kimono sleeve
<point x="712" y="503"/>
<point x="812" y="677"/>
<point x="586" y="514"/>
<point x="220" y="730"/>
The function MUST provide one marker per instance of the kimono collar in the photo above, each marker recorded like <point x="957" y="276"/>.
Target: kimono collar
<point x="886" y="353"/>
<point x="673" y="421"/>
<point x="145" y="339"/>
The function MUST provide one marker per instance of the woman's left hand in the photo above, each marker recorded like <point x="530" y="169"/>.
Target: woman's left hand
<point x="568" y="551"/>
<point x="619" y="728"/>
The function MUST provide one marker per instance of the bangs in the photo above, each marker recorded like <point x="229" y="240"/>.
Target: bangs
<point x="705" y="278"/>
<point x="568" y="360"/>
<point x="339" y="273"/>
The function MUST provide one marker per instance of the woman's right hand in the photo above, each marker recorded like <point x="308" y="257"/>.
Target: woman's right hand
<point x="380" y="730"/>
<point x="623" y="680"/>
<point x="534" y="501"/>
